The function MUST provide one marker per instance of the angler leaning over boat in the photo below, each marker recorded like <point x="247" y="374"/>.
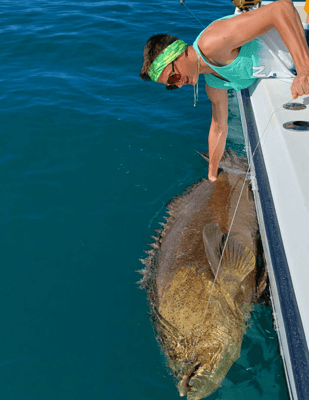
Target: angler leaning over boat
<point x="232" y="53"/>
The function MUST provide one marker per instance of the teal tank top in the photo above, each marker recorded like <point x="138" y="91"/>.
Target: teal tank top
<point x="240" y="72"/>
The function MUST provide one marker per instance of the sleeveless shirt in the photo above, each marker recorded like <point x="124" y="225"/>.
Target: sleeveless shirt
<point x="264" y="57"/>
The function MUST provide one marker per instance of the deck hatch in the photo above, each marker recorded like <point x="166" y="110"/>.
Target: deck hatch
<point x="294" y="106"/>
<point x="297" y="125"/>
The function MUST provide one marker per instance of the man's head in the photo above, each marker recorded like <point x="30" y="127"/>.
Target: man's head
<point x="160" y="52"/>
<point x="170" y="61"/>
<point x="154" y="46"/>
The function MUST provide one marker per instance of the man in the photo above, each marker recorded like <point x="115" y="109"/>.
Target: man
<point x="229" y="53"/>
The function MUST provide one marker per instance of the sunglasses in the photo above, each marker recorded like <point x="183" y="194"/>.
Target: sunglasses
<point x="172" y="79"/>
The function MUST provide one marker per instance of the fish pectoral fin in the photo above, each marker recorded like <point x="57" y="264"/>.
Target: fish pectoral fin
<point x="234" y="263"/>
<point x="213" y="238"/>
<point x="237" y="261"/>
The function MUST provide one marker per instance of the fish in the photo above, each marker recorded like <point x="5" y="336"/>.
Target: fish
<point x="203" y="274"/>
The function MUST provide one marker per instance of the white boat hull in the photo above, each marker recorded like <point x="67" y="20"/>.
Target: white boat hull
<point x="279" y="161"/>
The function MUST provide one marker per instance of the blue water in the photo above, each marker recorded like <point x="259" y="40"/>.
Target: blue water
<point x="89" y="156"/>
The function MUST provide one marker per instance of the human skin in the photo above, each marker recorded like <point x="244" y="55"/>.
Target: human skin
<point x="220" y="43"/>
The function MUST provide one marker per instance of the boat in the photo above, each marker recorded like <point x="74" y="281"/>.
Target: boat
<point x="276" y="130"/>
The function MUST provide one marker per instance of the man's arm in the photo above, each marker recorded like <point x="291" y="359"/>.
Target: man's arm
<point x="224" y="36"/>
<point x="218" y="128"/>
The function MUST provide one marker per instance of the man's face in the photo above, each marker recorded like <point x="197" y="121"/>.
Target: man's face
<point x="186" y="70"/>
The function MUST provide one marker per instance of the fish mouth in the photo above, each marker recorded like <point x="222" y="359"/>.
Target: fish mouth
<point x="186" y="382"/>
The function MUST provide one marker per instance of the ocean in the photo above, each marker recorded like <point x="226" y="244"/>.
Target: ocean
<point x="89" y="157"/>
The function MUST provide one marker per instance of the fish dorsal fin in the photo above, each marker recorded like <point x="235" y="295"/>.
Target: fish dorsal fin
<point x="237" y="261"/>
<point x="230" y="162"/>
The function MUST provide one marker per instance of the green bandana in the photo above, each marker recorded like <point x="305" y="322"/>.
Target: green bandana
<point x="169" y="54"/>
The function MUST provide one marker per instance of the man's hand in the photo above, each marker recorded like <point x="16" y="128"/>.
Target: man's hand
<point x="300" y="85"/>
<point x="212" y="178"/>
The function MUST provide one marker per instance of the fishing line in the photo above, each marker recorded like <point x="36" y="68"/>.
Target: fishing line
<point x="182" y="2"/>
<point x="195" y="87"/>
<point x="229" y="231"/>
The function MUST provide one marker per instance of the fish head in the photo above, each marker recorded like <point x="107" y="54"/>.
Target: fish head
<point x="200" y="347"/>
<point x="203" y="376"/>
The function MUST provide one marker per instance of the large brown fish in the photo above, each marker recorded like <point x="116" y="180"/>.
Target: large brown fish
<point x="201" y="285"/>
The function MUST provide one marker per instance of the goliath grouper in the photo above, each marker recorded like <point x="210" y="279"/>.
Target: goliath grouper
<point x="201" y="284"/>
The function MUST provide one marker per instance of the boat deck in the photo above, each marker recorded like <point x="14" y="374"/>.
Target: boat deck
<point x="279" y="160"/>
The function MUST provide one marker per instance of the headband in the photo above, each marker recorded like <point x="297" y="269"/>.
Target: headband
<point x="169" y="54"/>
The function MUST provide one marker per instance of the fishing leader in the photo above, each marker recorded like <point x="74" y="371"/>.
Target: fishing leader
<point x="232" y="53"/>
